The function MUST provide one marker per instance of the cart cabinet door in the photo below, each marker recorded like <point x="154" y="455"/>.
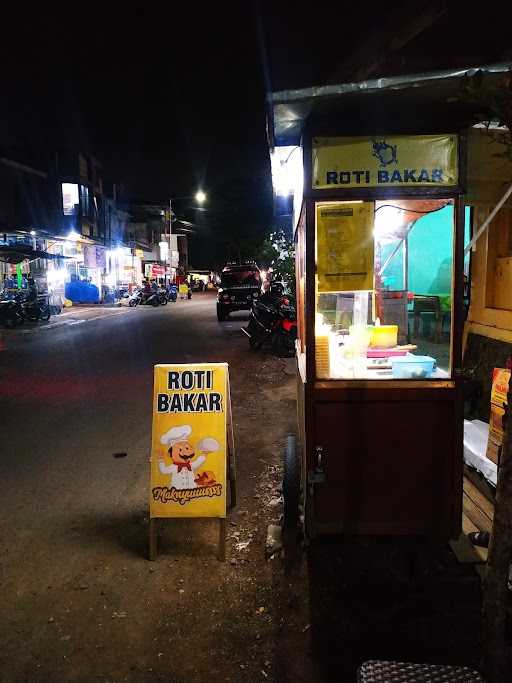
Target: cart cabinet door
<point x="389" y="466"/>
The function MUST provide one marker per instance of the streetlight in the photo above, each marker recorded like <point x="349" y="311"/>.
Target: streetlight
<point x="200" y="198"/>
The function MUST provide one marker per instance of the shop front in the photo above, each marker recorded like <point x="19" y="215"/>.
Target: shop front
<point x="380" y="224"/>
<point x="124" y="270"/>
<point x="79" y="275"/>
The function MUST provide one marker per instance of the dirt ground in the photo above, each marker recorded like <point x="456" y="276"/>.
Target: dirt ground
<point x="81" y="603"/>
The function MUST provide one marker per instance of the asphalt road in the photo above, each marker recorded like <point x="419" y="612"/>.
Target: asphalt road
<point x="77" y="390"/>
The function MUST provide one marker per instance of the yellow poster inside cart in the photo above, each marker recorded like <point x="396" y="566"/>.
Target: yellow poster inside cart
<point x="188" y="456"/>
<point x="345" y="246"/>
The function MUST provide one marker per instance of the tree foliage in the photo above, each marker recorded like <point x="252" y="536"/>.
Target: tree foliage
<point x="278" y="253"/>
<point x="492" y="103"/>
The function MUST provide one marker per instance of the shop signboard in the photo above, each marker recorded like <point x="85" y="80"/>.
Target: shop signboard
<point x="388" y="161"/>
<point x="101" y="257"/>
<point x="94" y="256"/>
<point x="90" y="256"/>
<point x="154" y="270"/>
<point x="345" y="246"/>
<point x="189" y="441"/>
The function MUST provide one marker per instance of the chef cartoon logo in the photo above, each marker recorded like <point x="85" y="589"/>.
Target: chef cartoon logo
<point x="182" y="463"/>
<point x="386" y="154"/>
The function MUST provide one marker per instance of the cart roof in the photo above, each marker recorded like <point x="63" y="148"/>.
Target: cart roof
<point x="415" y="103"/>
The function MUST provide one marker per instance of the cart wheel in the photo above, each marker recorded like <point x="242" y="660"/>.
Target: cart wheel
<point x="291" y="499"/>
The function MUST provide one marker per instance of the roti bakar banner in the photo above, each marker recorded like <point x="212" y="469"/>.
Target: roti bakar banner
<point x="385" y="161"/>
<point x="188" y="450"/>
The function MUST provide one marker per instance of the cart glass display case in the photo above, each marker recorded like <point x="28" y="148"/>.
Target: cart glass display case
<point x="384" y="289"/>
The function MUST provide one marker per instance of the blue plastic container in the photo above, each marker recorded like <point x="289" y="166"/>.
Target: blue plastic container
<point x="412" y="367"/>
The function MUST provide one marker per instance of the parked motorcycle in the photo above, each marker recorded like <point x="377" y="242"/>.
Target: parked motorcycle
<point x="37" y="310"/>
<point x="130" y="299"/>
<point x="162" y="296"/>
<point x="273" y="320"/>
<point x="150" y="298"/>
<point x="11" y="312"/>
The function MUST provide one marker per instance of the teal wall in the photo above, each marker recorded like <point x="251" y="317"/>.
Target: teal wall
<point x="430" y="254"/>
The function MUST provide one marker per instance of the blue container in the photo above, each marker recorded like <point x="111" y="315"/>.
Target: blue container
<point x="412" y="367"/>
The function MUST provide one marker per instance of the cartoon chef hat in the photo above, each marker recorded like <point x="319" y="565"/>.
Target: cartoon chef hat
<point x="176" y="434"/>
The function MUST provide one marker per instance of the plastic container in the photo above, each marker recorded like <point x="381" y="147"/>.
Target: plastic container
<point x="384" y="336"/>
<point x="412" y="367"/>
<point x="361" y="334"/>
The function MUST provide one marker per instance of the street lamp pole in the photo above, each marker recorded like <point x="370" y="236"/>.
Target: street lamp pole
<point x="200" y="198"/>
<point x="170" y="238"/>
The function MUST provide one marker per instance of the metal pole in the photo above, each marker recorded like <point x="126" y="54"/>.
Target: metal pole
<point x="170" y="233"/>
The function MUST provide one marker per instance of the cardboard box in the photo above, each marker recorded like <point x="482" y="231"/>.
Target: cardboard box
<point x="496" y="422"/>
<point x="499" y="398"/>
<point x="499" y="391"/>
<point x="493" y="451"/>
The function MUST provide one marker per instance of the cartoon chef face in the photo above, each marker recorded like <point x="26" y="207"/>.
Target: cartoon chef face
<point x="180" y="449"/>
<point x="181" y="452"/>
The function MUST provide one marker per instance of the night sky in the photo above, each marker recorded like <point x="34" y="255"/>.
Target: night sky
<point x="170" y="100"/>
<point x="167" y="102"/>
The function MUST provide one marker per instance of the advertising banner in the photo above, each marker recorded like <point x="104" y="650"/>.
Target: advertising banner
<point x="101" y="258"/>
<point x="344" y="233"/>
<point x="90" y="256"/>
<point x="390" y="161"/>
<point x="94" y="256"/>
<point x="189" y="442"/>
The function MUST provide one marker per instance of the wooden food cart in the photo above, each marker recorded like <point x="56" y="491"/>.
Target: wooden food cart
<point x="379" y="222"/>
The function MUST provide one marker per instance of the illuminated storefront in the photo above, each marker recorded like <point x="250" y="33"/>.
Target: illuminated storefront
<point x="123" y="267"/>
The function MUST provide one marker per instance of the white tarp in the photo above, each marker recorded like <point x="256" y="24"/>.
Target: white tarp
<point x="476" y="435"/>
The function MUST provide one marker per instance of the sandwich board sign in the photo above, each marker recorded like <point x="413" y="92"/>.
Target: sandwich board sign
<point x="191" y="443"/>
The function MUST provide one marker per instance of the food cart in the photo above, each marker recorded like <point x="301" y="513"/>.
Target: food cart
<point x="377" y="172"/>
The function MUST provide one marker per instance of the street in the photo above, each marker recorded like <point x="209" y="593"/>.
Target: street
<point x="81" y="602"/>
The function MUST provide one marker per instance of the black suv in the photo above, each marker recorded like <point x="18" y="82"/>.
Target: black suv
<point x="239" y="286"/>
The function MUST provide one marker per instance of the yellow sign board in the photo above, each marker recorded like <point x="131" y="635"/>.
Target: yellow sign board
<point x="389" y="161"/>
<point x="344" y="234"/>
<point x="189" y="445"/>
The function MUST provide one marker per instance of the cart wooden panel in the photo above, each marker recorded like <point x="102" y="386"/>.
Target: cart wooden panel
<point x="382" y="473"/>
